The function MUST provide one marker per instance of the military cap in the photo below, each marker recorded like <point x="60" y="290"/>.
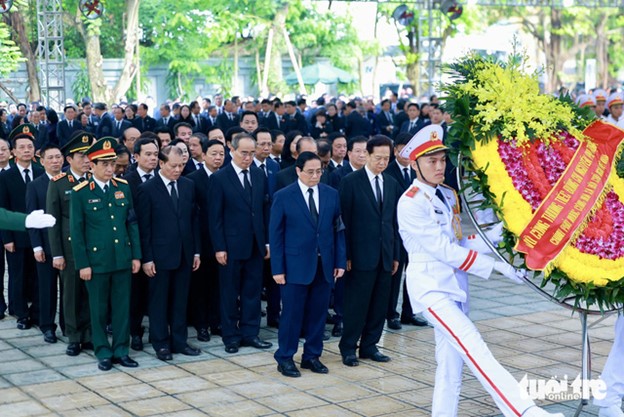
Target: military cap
<point x="79" y="142"/>
<point x="600" y="95"/>
<point x="615" y="98"/>
<point x="103" y="149"/>
<point x="426" y="141"/>
<point x="585" y="100"/>
<point x="24" y="130"/>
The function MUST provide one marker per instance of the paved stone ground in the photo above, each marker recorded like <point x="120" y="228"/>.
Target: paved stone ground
<point x="527" y="334"/>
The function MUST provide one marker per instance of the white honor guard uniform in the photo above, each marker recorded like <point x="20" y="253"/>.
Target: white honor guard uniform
<point x="614" y="100"/>
<point x="613" y="376"/>
<point x="439" y="260"/>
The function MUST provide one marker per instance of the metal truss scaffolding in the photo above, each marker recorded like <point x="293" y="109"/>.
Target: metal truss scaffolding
<point x="51" y="52"/>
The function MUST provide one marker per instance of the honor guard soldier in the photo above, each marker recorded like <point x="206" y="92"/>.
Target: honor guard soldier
<point x="600" y="96"/>
<point x="105" y="241"/>
<point x="439" y="260"/>
<point x="75" y="300"/>
<point x="614" y="103"/>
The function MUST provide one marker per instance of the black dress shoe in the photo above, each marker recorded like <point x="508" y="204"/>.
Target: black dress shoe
<point x="126" y="361"/>
<point x="188" y="351"/>
<point x="414" y="321"/>
<point x="231" y="347"/>
<point x="394" y="324"/>
<point x="350" y="360"/>
<point x="49" y="336"/>
<point x="164" y="354"/>
<point x="24" y="323"/>
<point x="87" y="346"/>
<point x="203" y="335"/>
<point x="73" y="349"/>
<point x="2" y="316"/>
<point x="257" y="343"/>
<point x="136" y="343"/>
<point x="315" y="366"/>
<point x="376" y="357"/>
<point x="215" y="331"/>
<point x="105" y="364"/>
<point x="289" y="369"/>
<point x="337" y="330"/>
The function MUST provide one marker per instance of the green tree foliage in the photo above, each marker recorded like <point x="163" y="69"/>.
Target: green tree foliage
<point x="10" y="55"/>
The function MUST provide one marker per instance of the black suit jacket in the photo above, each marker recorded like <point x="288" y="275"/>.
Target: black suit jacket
<point x="203" y="184"/>
<point x="372" y="235"/>
<point x="396" y="172"/>
<point x="64" y="132"/>
<point x="147" y="124"/>
<point x="13" y="198"/>
<point x="168" y="235"/>
<point x="225" y="123"/>
<point x="36" y="192"/>
<point x="295" y="122"/>
<point x="105" y="127"/>
<point x="235" y="218"/>
<point x="270" y="121"/>
<point x="117" y="133"/>
<point x="336" y="175"/>
<point x="42" y="137"/>
<point x="171" y="122"/>
<point x="356" y="125"/>
<point x="287" y="176"/>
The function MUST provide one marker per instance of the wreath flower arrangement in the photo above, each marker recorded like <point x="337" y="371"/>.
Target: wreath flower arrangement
<point x="536" y="158"/>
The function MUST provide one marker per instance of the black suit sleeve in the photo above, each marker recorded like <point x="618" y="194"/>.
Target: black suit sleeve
<point x="144" y="214"/>
<point x="346" y="207"/>
<point x="7" y="235"/>
<point x="217" y="200"/>
<point x="36" y="238"/>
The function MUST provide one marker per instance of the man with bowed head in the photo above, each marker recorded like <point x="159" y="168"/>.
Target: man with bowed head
<point x="439" y="260"/>
<point x="308" y="254"/>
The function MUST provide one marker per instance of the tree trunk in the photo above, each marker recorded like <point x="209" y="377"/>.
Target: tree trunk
<point x="276" y="73"/>
<point x="16" y="21"/>
<point x="602" y="54"/>
<point x="94" y="67"/>
<point x="130" y="67"/>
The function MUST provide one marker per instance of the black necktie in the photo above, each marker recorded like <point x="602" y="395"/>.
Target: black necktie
<point x="439" y="194"/>
<point x="81" y="179"/>
<point x="26" y="176"/>
<point x="105" y="188"/>
<point x="313" y="211"/>
<point x="119" y="125"/>
<point x="263" y="168"/>
<point x="406" y="176"/>
<point x="247" y="183"/>
<point x="147" y="177"/>
<point x="174" y="194"/>
<point x="71" y="125"/>
<point x="278" y="160"/>
<point x="378" y="191"/>
<point x="199" y="165"/>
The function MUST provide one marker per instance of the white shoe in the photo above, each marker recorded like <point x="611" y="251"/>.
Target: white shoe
<point x="540" y="412"/>
<point x="613" y="411"/>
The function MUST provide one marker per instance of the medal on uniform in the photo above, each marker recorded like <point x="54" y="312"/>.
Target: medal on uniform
<point x="119" y="195"/>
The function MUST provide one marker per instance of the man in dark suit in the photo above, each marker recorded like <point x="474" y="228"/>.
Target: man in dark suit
<point x="119" y="123"/>
<point x="65" y="128"/>
<point x="144" y="122"/>
<point x="338" y="143"/>
<point x="355" y="124"/>
<point x="308" y="254"/>
<point x="42" y="137"/>
<point x="415" y="123"/>
<point x="400" y="169"/>
<point x="211" y="118"/>
<point x="166" y="120"/>
<point x="171" y="250"/>
<point x="293" y="120"/>
<point x="19" y="253"/>
<point x="228" y="118"/>
<point x="105" y="125"/>
<point x="200" y="123"/>
<point x="400" y="116"/>
<point x="274" y="120"/>
<point x="385" y="119"/>
<point x="356" y="151"/>
<point x="204" y="296"/>
<point x="368" y="201"/>
<point x="75" y="299"/>
<point x="146" y="156"/>
<point x="288" y="175"/>
<point x="238" y="229"/>
<point x="36" y="191"/>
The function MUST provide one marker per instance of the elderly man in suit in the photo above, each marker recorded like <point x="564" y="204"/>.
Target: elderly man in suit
<point x="36" y="191"/>
<point x="171" y="250"/>
<point x="22" y="269"/>
<point x="369" y="199"/>
<point x="239" y="214"/>
<point x="308" y="254"/>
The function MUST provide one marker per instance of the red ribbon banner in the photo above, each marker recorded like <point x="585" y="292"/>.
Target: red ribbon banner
<point x="572" y="198"/>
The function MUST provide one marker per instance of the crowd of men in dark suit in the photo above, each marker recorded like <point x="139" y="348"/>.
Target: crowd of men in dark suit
<point x="233" y="202"/>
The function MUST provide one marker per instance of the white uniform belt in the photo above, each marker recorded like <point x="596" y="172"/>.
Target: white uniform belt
<point x="421" y="257"/>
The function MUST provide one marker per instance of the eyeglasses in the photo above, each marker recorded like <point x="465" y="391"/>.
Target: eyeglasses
<point x="313" y="172"/>
<point x="246" y="154"/>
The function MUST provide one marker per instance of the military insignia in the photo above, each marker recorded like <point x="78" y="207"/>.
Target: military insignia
<point x="81" y="185"/>
<point x="68" y="192"/>
<point x="95" y="200"/>
<point x="25" y="129"/>
<point x="85" y="139"/>
<point x="412" y="192"/>
<point x="91" y="186"/>
<point x="107" y="145"/>
<point x="71" y="178"/>
<point x="434" y="135"/>
<point x="59" y="176"/>
<point x="119" y="195"/>
<point x="121" y="180"/>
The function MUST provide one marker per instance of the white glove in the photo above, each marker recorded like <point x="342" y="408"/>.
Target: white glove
<point x="38" y="220"/>
<point x="495" y="234"/>
<point x="516" y="275"/>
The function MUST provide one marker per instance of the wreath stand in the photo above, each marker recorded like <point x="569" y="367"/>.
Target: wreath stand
<point x="470" y="203"/>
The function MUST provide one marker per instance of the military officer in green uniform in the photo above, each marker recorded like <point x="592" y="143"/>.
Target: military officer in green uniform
<point x="75" y="299"/>
<point x="105" y="241"/>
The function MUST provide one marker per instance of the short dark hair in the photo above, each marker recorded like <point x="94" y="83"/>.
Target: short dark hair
<point x="144" y="106"/>
<point x="323" y="147"/>
<point x="352" y="104"/>
<point x="413" y="105"/>
<point x="193" y="104"/>
<point x="402" y="139"/>
<point x="210" y="143"/>
<point x="262" y="130"/>
<point x="164" y="153"/>
<point x="335" y="135"/>
<point x="384" y="101"/>
<point x="249" y="113"/>
<point x="378" y="141"/>
<point x="41" y="108"/>
<point x="47" y="147"/>
<point x="305" y="157"/>
<point x="22" y="105"/>
<point x="354" y="140"/>
<point x="142" y="142"/>
<point x="165" y="106"/>
<point x="121" y="149"/>
<point x="304" y="139"/>
<point x="233" y="131"/>
<point x="179" y="125"/>
<point x="275" y="133"/>
<point x="202" y="138"/>
<point x="68" y="107"/>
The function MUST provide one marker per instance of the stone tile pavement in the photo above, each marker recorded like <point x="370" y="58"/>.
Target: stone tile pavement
<point x="526" y="333"/>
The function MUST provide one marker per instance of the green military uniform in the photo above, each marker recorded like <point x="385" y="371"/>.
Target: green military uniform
<point x="12" y="220"/>
<point x="75" y="298"/>
<point x="105" y="238"/>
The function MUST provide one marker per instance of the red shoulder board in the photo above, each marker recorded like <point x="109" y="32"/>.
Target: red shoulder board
<point x="412" y="192"/>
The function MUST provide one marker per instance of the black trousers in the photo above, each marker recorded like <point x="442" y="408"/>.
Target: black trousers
<point x="366" y="298"/>
<point x="274" y="298"/>
<point x="240" y="285"/>
<point x="23" y="284"/>
<point x="48" y="293"/>
<point x="138" y="302"/>
<point x="395" y="289"/>
<point x="168" y="298"/>
<point x="203" y="306"/>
